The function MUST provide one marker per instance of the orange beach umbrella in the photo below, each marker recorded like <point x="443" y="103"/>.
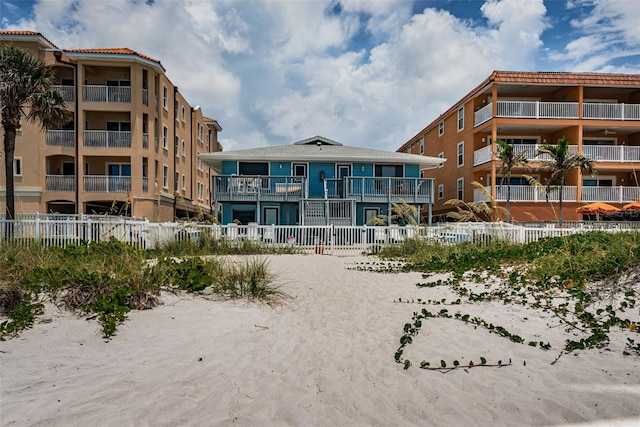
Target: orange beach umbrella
<point x="597" y="208"/>
<point x="634" y="206"/>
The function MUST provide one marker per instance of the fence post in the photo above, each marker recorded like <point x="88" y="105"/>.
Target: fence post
<point x="37" y="226"/>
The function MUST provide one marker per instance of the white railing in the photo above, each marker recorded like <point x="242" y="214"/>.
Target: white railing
<point x="606" y="111"/>
<point x="107" y="184"/>
<point x="483" y="155"/>
<point x="617" y="194"/>
<point x="528" y="193"/>
<point x="483" y="114"/>
<point x="145" y="184"/>
<point x="60" y="138"/>
<point x="612" y="153"/>
<point x="258" y="187"/>
<point x="67" y="92"/>
<point x="60" y="182"/>
<point x="328" y="240"/>
<point x="411" y="190"/>
<point x="107" y="138"/>
<point x="145" y="141"/>
<point x="538" y="109"/>
<point x="97" y="93"/>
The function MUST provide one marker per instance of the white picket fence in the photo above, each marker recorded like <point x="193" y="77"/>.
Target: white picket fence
<point x="330" y="240"/>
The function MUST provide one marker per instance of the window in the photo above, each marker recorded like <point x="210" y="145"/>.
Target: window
<point x="175" y="111"/>
<point x="165" y="97"/>
<point x="183" y="115"/>
<point x="177" y="183"/>
<point x="165" y="137"/>
<point x="17" y="166"/>
<point x="246" y="168"/>
<point x="460" y="118"/>
<point x="119" y="169"/>
<point x="389" y="171"/>
<point x="460" y="156"/>
<point x="409" y="149"/>
<point x="441" y="156"/>
<point x="165" y="177"/>
<point x="184" y="183"/>
<point x="184" y="148"/>
<point x="299" y="169"/>
<point x="460" y="188"/>
<point x="601" y="181"/>
<point x="441" y="128"/>
<point x="176" y="146"/>
<point x="440" y="191"/>
<point x="422" y="145"/>
<point x="370" y="213"/>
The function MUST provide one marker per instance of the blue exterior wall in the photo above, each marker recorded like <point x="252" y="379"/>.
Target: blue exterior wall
<point x="316" y="186"/>
<point x="411" y="171"/>
<point x="275" y="170"/>
<point x="357" y="169"/>
<point x="229" y="167"/>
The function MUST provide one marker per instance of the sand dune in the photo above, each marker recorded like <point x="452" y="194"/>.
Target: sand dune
<point x="324" y="358"/>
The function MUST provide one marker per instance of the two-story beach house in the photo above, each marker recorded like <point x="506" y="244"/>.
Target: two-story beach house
<point x="598" y="113"/>
<point x="130" y="148"/>
<point x="317" y="181"/>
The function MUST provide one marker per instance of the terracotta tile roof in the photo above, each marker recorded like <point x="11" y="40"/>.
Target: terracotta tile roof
<point x="26" y="33"/>
<point x="115" y="51"/>
<point x="564" y="78"/>
<point x="214" y="122"/>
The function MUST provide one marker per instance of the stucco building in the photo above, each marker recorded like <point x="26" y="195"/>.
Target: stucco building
<point x="598" y="113"/>
<point x="131" y="148"/>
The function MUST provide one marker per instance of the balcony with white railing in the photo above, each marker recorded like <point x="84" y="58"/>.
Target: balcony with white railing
<point x="482" y="155"/>
<point x="61" y="183"/>
<point x="612" y="153"/>
<point x="385" y="190"/>
<point x="60" y="138"/>
<point x="607" y="111"/>
<point x="483" y="114"/>
<point x="233" y="188"/>
<point x="615" y="194"/>
<point x="529" y="193"/>
<point x="528" y="110"/>
<point x="107" y="138"/>
<point x="98" y="93"/>
<point x="107" y="184"/>
<point x="67" y="92"/>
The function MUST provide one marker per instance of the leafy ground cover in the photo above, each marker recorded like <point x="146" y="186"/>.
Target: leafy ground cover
<point x="108" y="279"/>
<point x="589" y="282"/>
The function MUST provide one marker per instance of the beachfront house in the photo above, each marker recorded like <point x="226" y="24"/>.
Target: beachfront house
<point x="316" y="181"/>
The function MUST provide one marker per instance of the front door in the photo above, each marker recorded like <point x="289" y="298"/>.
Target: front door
<point x="343" y="172"/>
<point x="270" y="215"/>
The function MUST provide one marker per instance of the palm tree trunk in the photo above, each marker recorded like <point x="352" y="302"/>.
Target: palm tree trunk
<point x="9" y="149"/>
<point x="509" y="197"/>
<point x="560" y="202"/>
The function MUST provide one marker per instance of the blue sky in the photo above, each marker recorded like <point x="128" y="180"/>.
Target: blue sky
<point x="364" y="73"/>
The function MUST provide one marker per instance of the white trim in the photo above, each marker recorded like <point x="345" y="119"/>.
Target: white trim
<point x="597" y="178"/>
<point x="458" y="162"/>
<point x="441" y="128"/>
<point x="422" y="144"/>
<point x="459" y="189"/>
<point x="264" y="214"/>
<point x="165" y="137"/>
<point x="461" y="108"/>
<point x="165" y="176"/>
<point x="165" y="97"/>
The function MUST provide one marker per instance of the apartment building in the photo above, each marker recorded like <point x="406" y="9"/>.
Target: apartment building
<point x="131" y="149"/>
<point x="598" y="113"/>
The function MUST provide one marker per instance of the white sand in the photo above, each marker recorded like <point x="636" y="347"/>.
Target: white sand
<point x="324" y="359"/>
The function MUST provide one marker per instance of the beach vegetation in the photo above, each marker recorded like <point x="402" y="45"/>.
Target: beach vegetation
<point x="107" y="280"/>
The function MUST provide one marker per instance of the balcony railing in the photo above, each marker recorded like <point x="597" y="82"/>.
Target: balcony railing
<point x="259" y="188"/>
<point x="107" y="138"/>
<point x="67" y="92"/>
<point x="612" y="153"/>
<point x="483" y="155"/>
<point x="60" y="138"/>
<point x="528" y="193"/>
<point x="107" y="184"/>
<point x="368" y="189"/>
<point x="145" y="96"/>
<point x="96" y="93"/>
<point x="558" y="110"/>
<point x="604" y="111"/>
<point x="145" y="184"/>
<point x="145" y="141"/>
<point x="61" y="183"/>
<point x="618" y="194"/>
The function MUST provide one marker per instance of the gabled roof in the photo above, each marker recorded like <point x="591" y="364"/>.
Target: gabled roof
<point x="308" y="150"/>
<point x="27" y="36"/>
<point x="119" y="51"/>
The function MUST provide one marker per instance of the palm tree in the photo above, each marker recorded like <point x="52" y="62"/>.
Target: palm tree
<point x="25" y="93"/>
<point x="562" y="162"/>
<point x="510" y="159"/>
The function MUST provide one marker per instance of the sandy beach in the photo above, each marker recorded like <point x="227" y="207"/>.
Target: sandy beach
<point x="325" y="357"/>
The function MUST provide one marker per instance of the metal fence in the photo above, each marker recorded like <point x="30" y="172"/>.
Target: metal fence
<point x="52" y="230"/>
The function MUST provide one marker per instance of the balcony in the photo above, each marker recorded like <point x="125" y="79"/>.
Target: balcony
<point x="145" y="141"/>
<point x="483" y="155"/>
<point x="96" y="93"/>
<point x="67" y="92"/>
<point x="234" y="188"/>
<point x="107" y="184"/>
<point x="603" y="111"/>
<point x="617" y="194"/>
<point x="107" y="138"/>
<point x="612" y="153"/>
<point x="385" y="190"/>
<point x="60" y="138"/>
<point x="557" y="110"/>
<point x="60" y="183"/>
<point x="528" y="193"/>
